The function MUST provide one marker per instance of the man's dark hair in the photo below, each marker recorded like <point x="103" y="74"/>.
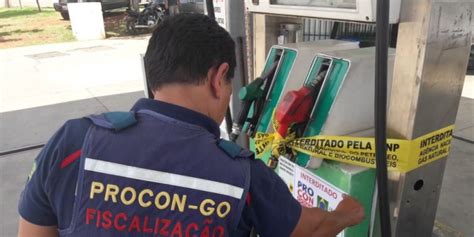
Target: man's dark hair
<point x="183" y="48"/>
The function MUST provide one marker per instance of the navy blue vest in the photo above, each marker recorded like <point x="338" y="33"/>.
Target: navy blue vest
<point x="157" y="176"/>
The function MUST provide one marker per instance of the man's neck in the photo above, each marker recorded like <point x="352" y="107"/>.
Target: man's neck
<point x="190" y="97"/>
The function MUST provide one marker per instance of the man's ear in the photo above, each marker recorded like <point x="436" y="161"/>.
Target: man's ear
<point x="218" y="76"/>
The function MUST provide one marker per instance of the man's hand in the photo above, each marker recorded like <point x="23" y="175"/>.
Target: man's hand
<point x="350" y="210"/>
<point x="317" y="222"/>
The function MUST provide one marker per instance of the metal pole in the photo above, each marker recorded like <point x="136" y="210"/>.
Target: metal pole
<point x="335" y="28"/>
<point x="381" y="58"/>
<point x="432" y="53"/>
<point x="228" y="115"/>
<point x="210" y="9"/>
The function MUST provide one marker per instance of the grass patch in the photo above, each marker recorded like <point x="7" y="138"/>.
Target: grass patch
<point x="27" y="26"/>
<point x="11" y="12"/>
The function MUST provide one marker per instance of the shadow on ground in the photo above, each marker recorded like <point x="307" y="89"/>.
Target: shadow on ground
<point x="8" y="40"/>
<point x="15" y="13"/>
<point x="8" y="33"/>
<point x="114" y="23"/>
<point x="33" y="126"/>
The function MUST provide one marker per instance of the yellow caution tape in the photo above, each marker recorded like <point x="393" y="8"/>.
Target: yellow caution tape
<point x="402" y="155"/>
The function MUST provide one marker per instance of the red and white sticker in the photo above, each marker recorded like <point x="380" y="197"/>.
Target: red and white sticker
<point x="309" y="189"/>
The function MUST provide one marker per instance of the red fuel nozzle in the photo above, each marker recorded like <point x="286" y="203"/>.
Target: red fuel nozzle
<point x="295" y="108"/>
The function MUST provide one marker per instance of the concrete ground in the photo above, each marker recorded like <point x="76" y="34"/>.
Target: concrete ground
<point x="42" y="86"/>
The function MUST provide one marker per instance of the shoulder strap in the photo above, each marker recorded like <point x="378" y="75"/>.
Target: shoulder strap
<point x="233" y="150"/>
<point x="114" y="120"/>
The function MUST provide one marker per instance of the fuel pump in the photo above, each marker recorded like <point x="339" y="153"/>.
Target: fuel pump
<point x="311" y="95"/>
<point x="345" y="104"/>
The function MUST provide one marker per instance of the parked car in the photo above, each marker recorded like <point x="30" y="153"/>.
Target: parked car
<point x="61" y="6"/>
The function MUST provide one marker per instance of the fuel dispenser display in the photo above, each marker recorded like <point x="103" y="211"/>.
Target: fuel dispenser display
<point x="320" y="91"/>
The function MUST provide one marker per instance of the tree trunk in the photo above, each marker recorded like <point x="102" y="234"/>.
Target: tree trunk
<point x="38" y="4"/>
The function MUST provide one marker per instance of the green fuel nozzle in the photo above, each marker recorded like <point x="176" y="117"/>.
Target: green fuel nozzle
<point x="248" y="94"/>
<point x="254" y="93"/>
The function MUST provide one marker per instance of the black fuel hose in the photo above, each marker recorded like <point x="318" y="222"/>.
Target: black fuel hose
<point x="381" y="58"/>
<point x="228" y="121"/>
